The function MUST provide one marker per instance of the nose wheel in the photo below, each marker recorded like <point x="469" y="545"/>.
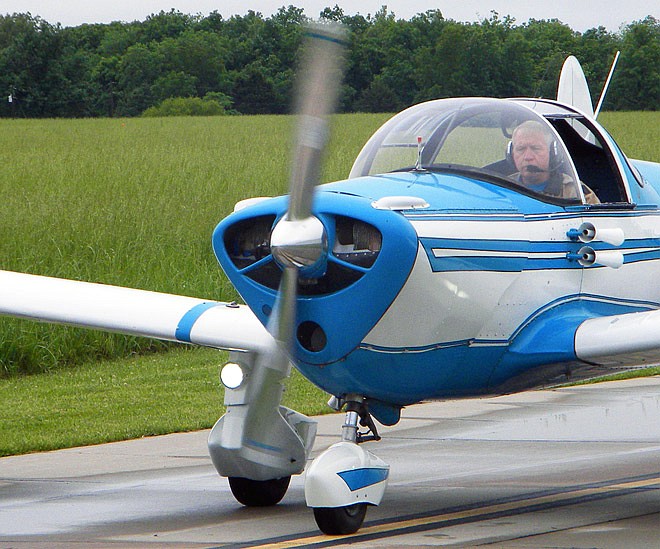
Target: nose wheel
<point x="346" y="478"/>
<point x="336" y="521"/>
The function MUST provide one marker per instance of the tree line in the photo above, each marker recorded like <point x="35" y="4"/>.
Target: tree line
<point x="246" y="63"/>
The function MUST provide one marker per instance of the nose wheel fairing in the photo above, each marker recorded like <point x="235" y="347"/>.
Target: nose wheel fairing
<point x="345" y="478"/>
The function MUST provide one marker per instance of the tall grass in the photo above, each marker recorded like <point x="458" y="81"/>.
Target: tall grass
<point x="122" y="399"/>
<point x="637" y="133"/>
<point x="134" y="202"/>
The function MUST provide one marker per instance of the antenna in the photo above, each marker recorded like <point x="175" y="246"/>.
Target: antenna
<point x="607" y="83"/>
<point x="420" y="148"/>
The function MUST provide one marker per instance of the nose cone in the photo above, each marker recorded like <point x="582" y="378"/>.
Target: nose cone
<point x="302" y="244"/>
<point x="360" y="267"/>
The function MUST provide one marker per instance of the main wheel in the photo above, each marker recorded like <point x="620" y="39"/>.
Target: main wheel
<point x="340" y="520"/>
<point x="258" y="493"/>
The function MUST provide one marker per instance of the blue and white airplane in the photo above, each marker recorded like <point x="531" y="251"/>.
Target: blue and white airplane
<point x="433" y="271"/>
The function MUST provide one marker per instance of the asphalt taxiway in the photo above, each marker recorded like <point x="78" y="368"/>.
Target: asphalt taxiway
<point x="569" y="467"/>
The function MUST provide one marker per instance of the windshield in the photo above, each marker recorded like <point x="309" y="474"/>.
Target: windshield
<point x="495" y="139"/>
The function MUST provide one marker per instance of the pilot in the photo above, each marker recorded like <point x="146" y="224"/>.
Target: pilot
<point x="534" y="151"/>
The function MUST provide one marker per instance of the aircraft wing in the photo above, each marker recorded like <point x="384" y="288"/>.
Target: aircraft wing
<point x="628" y="338"/>
<point x="129" y="311"/>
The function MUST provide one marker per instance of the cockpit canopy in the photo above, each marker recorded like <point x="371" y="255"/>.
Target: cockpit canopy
<point x="475" y="136"/>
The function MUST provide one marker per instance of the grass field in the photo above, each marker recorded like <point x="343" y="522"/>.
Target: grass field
<point x="130" y="202"/>
<point x="124" y="398"/>
<point x="637" y="133"/>
<point x="133" y="202"/>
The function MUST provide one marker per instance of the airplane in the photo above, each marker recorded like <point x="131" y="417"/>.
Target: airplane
<point x="433" y="271"/>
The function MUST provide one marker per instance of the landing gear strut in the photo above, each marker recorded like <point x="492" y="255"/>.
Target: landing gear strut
<point x="345" y="478"/>
<point x="358" y="410"/>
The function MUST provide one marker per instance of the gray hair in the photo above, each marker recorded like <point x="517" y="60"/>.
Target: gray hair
<point x="534" y="126"/>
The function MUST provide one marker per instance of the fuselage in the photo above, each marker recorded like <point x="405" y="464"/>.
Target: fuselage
<point x="445" y="282"/>
<point x="477" y="295"/>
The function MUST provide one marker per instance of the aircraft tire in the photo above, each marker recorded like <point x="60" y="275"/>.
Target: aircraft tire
<point x="340" y="520"/>
<point x="259" y="493"/>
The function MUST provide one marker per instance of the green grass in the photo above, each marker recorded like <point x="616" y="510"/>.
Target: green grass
<point x="131" y="202"/>
<point x="123" y="399"/>
<point x="134" y="202"/>
<point x="630" y="374"/>
<point x="635" y="132"/>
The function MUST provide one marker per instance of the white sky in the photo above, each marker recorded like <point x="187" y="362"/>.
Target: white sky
<point x="580" y="15"/>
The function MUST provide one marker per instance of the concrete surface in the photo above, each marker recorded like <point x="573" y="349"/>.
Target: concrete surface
<point x="571" y="467"/>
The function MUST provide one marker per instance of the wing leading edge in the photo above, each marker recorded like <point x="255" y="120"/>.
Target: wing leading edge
<point x="628" y="338"/>
<point x="134" y="312"/>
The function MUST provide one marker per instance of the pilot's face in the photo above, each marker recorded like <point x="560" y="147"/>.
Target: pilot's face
<point x="531" y="155"/>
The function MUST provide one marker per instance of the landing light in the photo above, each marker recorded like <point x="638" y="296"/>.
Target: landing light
<point x="232" y="375"/>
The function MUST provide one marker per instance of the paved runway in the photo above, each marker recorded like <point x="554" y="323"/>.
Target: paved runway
<point x="573" y="467"/>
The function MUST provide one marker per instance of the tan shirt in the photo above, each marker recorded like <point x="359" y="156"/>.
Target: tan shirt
<point x="569" y="190"/>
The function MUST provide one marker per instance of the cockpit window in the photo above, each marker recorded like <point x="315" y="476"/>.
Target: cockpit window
<point x="593" y="157"/>
<point x="492" y="139"/>
<point x="476" y="141"/>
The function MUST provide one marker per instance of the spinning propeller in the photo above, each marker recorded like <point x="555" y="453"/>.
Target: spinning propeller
<point x="258" y="443"/>
<point x="299" y="242"/>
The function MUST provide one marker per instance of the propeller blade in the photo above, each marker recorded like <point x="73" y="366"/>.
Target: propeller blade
<point x="318" y="90"/>
<point x="299" y="241"/>
<point x="298" y="245"/>
<point x="283" y="317"/>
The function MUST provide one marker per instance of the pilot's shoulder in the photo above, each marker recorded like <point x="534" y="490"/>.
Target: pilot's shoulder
<point x="589" y="196"/>
<point x="570" y="190"/>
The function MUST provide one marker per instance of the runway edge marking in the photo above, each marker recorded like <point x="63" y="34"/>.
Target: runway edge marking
<point x="438" y="519"/>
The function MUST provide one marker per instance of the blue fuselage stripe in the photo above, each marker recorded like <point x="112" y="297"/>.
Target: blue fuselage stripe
<point x="455" y="254"/>
<point x="356" y="479"/>
<point x="188" y="320"/>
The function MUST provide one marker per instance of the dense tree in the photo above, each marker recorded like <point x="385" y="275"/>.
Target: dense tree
<point x="139" y="68"/>
<point x="550" y="42"/>
<point x="165" y="25"/>
<point x="637" y="84"/>
<point x="199" y="54"/>
<point x="106" y="76"/>
<point x="174" y="84"/>
<point x="30" y="67"/>
<point x="121" y="69"/>
<point x="596" y="51"/>
<point x="254" y="92"/>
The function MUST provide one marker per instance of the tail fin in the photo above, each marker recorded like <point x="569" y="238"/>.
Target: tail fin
<point x="573" y="88"/>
